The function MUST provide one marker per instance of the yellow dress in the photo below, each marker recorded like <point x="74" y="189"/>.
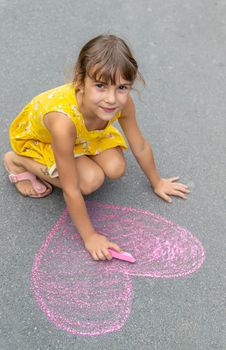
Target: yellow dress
<point x="29" y="136"/>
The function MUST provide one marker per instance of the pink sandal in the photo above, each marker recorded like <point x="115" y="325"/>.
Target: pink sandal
<point x="40" y="186"/>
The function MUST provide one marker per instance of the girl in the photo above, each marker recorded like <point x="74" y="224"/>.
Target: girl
<point x="64" y="137"/>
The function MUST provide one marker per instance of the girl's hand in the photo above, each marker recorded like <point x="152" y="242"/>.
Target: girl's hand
<point x="97" y="245"/>
<point x="168" y="187"/>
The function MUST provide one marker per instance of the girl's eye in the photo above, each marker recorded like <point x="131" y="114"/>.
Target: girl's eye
<point x="99" y="85"/>
<point x="123" y="87"/>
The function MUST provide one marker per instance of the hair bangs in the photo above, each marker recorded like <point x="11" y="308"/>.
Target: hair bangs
<point x="110" y="69"/>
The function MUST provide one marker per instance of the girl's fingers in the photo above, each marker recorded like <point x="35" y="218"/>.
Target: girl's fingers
<point x="182" y="189"/>
<point x="175" y="178"/>
<point x="107" y="254"/>
<point x="165" y="197"/>
<point x="94" y="256"/>
<point x="179" y="194"/>
<point x="115" y="247"/>
<point x="101" y="255"/>
<point x="181" y="185"/>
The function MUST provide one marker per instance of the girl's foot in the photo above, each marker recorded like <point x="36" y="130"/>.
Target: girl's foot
<point x="29" y="183"/>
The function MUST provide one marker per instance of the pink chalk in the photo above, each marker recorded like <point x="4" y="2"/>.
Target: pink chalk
<point x="122" y="256"/>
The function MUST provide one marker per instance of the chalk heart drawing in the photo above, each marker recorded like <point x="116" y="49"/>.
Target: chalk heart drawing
<point x="85" y="297"/>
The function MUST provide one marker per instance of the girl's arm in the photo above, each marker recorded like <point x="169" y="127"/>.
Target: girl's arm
<point x="63" y="139"/>
<point x="145" y="158"/>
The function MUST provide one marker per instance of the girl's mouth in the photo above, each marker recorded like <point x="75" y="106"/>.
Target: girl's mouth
<point x="108" y="110"/>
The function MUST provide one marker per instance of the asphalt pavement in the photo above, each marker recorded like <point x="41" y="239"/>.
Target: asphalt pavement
<point x="181" y="50"/>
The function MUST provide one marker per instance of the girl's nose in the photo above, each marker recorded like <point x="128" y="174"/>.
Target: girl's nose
<point x="110" y="97"/>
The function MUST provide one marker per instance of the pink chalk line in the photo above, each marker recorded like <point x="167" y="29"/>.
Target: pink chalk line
<point x="85" y="297"/>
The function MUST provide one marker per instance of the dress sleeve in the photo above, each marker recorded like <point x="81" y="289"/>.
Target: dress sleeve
<point x="58" y="108"/>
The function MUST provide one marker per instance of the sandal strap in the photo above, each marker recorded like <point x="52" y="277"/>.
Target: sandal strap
<point x="38" y="185"/>
<point x="14" y="178"/>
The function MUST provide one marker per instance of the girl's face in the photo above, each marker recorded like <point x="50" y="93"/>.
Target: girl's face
<point x="103" y="101"/>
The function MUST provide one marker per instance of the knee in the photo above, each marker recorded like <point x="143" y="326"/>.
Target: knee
<point x="92" y="181"/>
<point x="8" y="156"/>
<point x="115" y="168"/>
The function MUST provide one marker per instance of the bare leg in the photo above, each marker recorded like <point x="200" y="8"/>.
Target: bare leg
<point x="112" y="162"/>
<point x="90" y="174"/>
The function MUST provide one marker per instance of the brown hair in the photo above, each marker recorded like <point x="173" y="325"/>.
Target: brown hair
<point x="103" y="57"/>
